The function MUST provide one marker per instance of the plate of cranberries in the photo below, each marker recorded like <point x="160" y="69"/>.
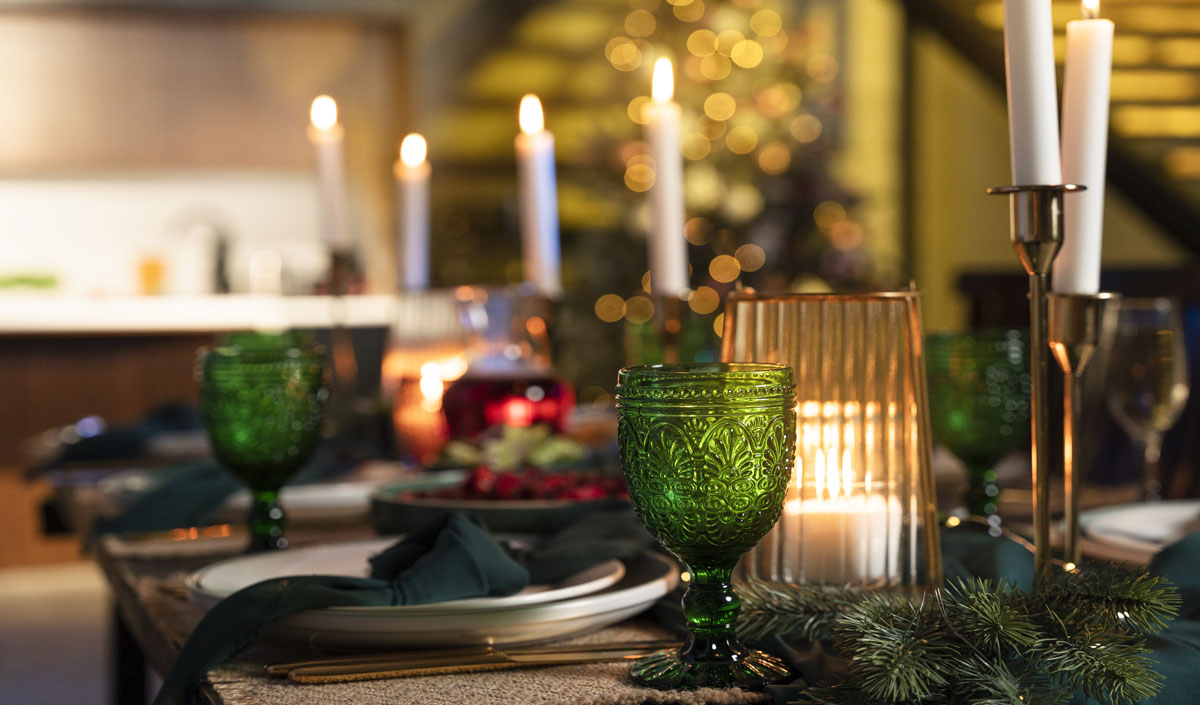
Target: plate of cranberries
<point x="512" y="501"/>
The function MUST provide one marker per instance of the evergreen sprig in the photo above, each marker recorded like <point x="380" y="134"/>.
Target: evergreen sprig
<point x="977" y="642"/>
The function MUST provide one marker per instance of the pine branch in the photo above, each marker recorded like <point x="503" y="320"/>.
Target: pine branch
<point x="792" y="611"/>
<point x="988" y="617"/>
<point x="1115" y="596"/>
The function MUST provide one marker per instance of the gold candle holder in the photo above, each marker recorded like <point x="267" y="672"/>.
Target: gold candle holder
<point x="1035" y="226"/>
<point x="1079" y="324"/>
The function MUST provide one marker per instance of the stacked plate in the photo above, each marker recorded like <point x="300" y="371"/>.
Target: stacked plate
<point x="601" y="595"/>
<point x="1135" y="532"/>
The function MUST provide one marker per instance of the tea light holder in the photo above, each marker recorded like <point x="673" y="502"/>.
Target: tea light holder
<point x="860" y="509"/>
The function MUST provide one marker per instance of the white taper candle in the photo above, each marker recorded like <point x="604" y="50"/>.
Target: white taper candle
<point x="1032" y="92"/>
<point x="1084" y="150"/>
<point x="668" y="246"/>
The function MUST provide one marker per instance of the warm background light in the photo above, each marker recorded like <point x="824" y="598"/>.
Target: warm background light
<point x="530" y="115"/>
<point x="324" y="112"/>
<point x="662" y="88"/>
<point x="413" y="150"/>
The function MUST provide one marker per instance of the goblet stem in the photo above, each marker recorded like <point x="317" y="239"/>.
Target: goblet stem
<point x="1151" y="479"/>
<point x="266" y="522"/>
<point x="712" y="656"/>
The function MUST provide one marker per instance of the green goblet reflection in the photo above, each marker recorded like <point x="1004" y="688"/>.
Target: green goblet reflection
<point x="707" y="452"/>
<point x="979" y="403"/>
<point x="263" y="399"/>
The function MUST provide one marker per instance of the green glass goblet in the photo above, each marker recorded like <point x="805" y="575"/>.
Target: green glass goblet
<point x="707" y="453"/>
<point x="979" y="403"/>
<point x="263" y="400"/>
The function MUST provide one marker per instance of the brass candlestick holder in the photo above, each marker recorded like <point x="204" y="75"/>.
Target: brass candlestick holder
<point x="1079" y="323"/>
<point x="1036" y="230"/>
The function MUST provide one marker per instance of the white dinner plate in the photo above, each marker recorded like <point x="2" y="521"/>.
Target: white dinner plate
<point x="211" y="584"/>
<point x="647" y="577"/>
<point x="1143" y="527"/>
<point x="321" y="501"/>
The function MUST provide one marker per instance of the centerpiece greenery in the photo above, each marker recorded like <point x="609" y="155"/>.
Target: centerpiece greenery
<point x="977" y="642"/>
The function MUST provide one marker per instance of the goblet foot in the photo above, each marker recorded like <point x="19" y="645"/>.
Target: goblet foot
<point x="673" y="670"/>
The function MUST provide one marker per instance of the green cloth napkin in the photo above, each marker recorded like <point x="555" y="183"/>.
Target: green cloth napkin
<point x="450" y="558"/>
<point x="187" y="495"/>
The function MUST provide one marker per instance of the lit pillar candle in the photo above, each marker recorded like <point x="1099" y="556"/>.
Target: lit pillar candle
<point x="412" y="222"/>
<point x="668" y="247"/>
<point x="539" y="200"/>
<point x="326" y="136"/>
<point x="1032" y="92"/>
<point x="1086" y="81"/>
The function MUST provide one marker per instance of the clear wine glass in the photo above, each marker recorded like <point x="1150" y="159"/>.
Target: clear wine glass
<point x="1148" y="379"/>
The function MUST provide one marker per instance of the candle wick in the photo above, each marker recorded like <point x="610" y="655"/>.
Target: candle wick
<point x="1090" y="13"/>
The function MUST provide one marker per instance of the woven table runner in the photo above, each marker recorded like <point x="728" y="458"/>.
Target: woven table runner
<point x="243" y="682"/>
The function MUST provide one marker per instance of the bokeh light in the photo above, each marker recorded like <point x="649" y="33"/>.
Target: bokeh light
<point x="750" y="257"/>
<point x="715" y="67"/>
<point x="698" y="231"/>
<point x="719" y="106"/>
<point x="724" y="268"/>
<point x="747" y="53"/>
<point x="623" y="54"/>
<point x="805" y="128"/>
<point x="704" y="300"/>
<point x="702" y="42"/>
<point x="741" y="139"/>
<point x="610" y="308"/>
<point x="646" y="281"/>
<point x="696" y="146"/>
<point x="690" y="12"/>
<point x="637" y="108"/>
<point x="639" y="309"/>
<point x="774" y="158"/>
<point x="823" y="68"/>
<point x="640" y="23"/>
<point x="649" y="5"/>
<point x="727" y="40"/>
<point x="828" y="214"/>
<point x="719" y="325"/>
<point x="712" y="129"/>
<point x="639" y="177"/>
<point x="766" y="23"/>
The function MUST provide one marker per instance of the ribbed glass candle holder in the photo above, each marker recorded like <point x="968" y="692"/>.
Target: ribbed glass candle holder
<point x="860" y="509"/>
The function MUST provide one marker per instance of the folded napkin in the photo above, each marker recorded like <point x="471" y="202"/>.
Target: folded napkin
<point x="450" y="558"/>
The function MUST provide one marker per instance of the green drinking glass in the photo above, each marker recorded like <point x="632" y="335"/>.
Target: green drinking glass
<point x="979" y="403"/>
<point x="707" y="453"/>
<point x="263" y="400"/>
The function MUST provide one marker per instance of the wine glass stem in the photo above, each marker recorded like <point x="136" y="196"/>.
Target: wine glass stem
<point x="711" y="608"/>
<point x="1151" y="480"/>
<point x="266" y="521"/>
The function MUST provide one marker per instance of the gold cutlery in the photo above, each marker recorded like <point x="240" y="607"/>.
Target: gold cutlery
<point x="467" y="660"/>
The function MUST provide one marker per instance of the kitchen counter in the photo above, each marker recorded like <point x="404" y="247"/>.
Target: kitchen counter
<point x="148" y="315"/>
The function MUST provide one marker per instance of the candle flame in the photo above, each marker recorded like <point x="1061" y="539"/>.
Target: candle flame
<point x="324" y="112"/>
<point x="530" y="115"/>
<point x="1090" y="9"/>
<point x="662" y="87"/>
<point x="413" y="150"/>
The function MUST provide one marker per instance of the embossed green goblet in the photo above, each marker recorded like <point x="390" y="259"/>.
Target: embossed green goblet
<point x="263" y="400"/>
<point x="707" y="452"/>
